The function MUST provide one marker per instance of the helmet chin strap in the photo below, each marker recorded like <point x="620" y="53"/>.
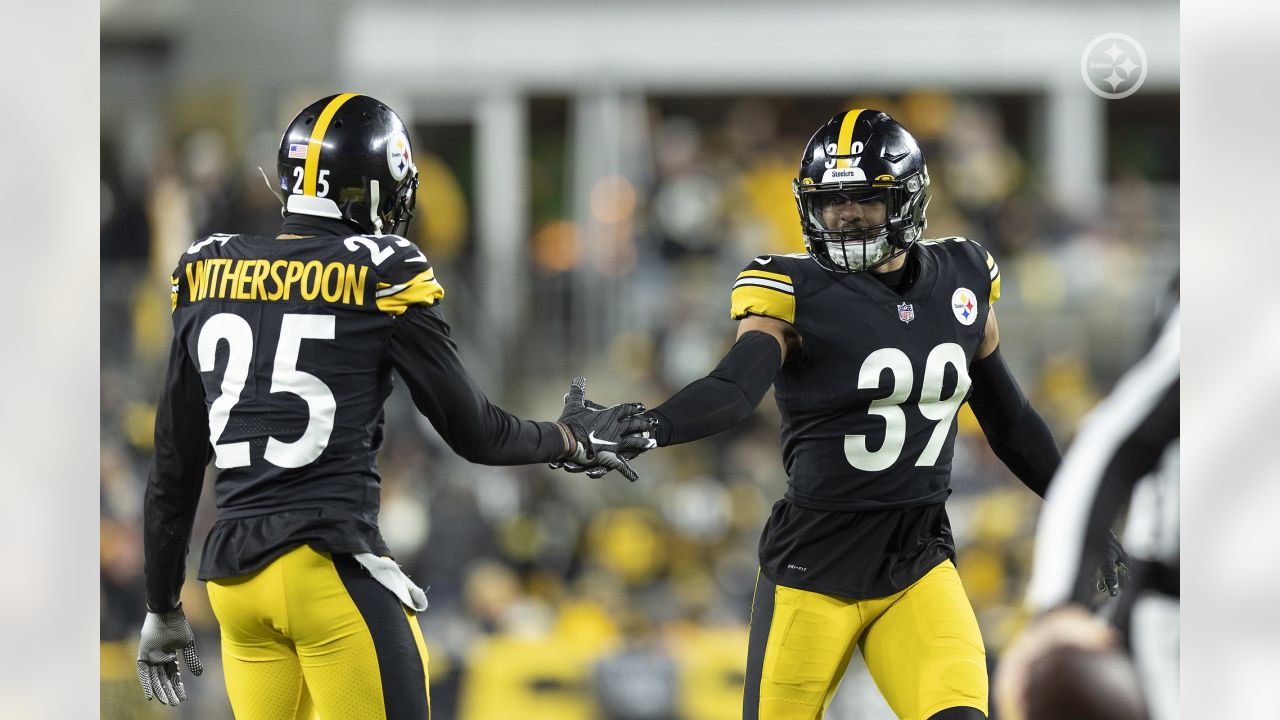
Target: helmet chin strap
<point x="374" y="201"/>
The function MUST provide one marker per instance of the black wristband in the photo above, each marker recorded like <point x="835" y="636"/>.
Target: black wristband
<point x="660" y="426"/>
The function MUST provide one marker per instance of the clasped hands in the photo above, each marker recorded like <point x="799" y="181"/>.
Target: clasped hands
<point x="607" y="437"/>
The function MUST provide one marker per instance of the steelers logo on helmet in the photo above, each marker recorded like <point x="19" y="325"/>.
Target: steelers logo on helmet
<point x="399" y="156"/>
<point x="964" y="304"/>
<point x="850" y="221"/>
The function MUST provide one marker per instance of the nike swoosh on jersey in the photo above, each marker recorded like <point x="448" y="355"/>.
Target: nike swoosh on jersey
<point x="764" y="260"/>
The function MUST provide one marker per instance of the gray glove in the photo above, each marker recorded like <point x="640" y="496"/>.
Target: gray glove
<point x="163" y="635"/>
<point x="1113" y="572"/>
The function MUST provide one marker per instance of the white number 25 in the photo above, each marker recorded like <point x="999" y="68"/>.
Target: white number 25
<point x="285" y="378"/>
<point x="932" y="405"/>
<point x="322" y="181"/>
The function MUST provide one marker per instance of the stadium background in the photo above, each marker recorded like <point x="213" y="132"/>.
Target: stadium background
<point x="594" y="175"/>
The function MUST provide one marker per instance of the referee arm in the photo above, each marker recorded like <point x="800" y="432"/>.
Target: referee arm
<point x="1120" y="442"/>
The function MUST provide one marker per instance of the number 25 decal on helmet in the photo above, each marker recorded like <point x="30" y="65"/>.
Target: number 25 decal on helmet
<point x="348" y="157"/>
<point x="861" y="191"/>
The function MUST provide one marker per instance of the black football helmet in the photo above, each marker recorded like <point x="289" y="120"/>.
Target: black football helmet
<point x="861" y="157"/>
<point x="348" y="157"/>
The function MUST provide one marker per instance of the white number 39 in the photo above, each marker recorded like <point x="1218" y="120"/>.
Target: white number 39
<point x="932" y="405"/>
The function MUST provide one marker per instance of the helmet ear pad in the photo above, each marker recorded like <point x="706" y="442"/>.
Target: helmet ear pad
<point x="907" y="226"/>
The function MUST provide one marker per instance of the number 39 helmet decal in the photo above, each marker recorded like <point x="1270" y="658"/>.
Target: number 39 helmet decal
<point x="348" y="157"/>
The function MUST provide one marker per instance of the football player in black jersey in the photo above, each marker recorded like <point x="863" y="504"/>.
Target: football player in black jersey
<point x="872" y="342"/>
<point x="281" y="359"/>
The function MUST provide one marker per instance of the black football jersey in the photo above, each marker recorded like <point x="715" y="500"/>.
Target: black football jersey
<point x="868" y="413"/>
<point x="283" y="353"/>
<point x="868" y="408"/>
<point x="286" y="336"/>
<point x="290" y="341"/>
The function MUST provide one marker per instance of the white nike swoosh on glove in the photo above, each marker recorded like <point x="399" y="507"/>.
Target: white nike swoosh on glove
<point x="597" y="441"/>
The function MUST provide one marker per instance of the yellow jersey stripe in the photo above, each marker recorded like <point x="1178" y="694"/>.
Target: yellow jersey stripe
<point x="311" y="168"/>
<point x="780" y="277"/>
<point x="389" y="289"/>
<point x="995" y="290"/>
<point x="845" y="140"/>
<point x="756" y="300"/>
<point x="991" y="262"/>
<point x="421" y="290"/>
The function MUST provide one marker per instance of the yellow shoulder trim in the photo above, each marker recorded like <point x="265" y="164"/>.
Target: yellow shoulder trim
<point x="422" y="289"/>
<point x="757" y="300"/>
<point x="780" y="277"/>
<point x="995" y="279"/>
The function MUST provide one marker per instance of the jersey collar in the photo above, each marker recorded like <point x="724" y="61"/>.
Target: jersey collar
<point x="296" y="224"/>
<point x="876" y="290"/>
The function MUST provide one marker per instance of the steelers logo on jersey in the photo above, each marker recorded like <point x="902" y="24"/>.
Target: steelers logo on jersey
<point x="965" y="305"/>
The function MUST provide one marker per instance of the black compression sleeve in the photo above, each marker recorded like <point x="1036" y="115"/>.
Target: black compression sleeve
<point x="426" y="357"/>
<point x="173" y="487"/>
<point x="725" y="397"/>
<point x="1018" y="435"/>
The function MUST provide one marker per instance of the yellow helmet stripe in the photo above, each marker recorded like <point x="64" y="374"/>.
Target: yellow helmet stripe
<point x="845" y="139"/>
<point x="311" y="169"/>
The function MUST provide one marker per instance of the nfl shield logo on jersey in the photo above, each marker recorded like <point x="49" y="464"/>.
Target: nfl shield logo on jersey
<point x="906" y="313"/>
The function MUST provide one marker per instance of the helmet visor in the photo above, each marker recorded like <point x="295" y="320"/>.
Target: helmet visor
<point x="846" y="210"/>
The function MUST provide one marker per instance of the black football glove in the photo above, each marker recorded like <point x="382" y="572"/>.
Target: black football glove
<point x="163" y="635"/>
<point x="1113" y="573"/>
<point x="643" y="438"/>
<point x="604" y="435"/>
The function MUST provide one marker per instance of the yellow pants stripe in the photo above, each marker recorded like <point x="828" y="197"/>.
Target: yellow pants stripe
<point x="316" y="634"/>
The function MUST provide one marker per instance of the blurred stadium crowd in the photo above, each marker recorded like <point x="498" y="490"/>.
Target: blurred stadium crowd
<point x="556" y="596"/>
